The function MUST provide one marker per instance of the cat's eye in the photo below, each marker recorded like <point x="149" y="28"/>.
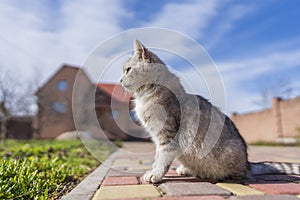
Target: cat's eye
<point x="127" y="70"/>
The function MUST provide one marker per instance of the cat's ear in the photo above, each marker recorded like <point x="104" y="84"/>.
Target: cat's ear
<point x="140" y="49"/>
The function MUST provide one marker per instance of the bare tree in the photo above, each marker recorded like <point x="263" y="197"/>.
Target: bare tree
<point x="274" y="87"/>
<point x="16" y="99"/>
<point x="42" y="104"/>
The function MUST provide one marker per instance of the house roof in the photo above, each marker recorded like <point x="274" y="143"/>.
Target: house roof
<point x="115" y="91"/>
<point x="62" y="67"/>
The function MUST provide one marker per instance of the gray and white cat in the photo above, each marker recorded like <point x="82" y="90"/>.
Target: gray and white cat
<point x="187" y="127"/>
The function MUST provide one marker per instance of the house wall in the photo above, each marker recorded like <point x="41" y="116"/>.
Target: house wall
<point x="280" y="121"/>
<point x="127" y="125"/>
<point x="121" y="125"/>
<point x="108" y="123"/>
<point x="133" y="129"/>
<point x="49" y="122"/>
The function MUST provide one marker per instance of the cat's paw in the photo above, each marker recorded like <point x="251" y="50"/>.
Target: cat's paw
<point x="152" y="177"/>
<point x="183" y="171"/>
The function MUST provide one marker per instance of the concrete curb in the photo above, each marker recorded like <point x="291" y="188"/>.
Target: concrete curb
<point x="86" y="189"/>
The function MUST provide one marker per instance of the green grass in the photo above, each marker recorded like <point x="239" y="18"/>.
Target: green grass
<point x="44" y="169"/>
<point x="261" y="143"/>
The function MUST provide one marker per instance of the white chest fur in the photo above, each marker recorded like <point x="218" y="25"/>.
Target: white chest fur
<point x="151" y="115"/>
<point x="140" y="110"/>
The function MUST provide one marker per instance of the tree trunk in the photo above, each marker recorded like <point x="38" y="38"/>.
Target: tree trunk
<point x="3" y="131"/>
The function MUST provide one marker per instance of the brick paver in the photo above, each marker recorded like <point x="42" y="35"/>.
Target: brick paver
<point x="191" y="198"/>
<point x="239" y="189"/>
<point x="266" y="197"/>
<point x="124" y="192"/>
<point x="124" y="180"/>
<point x="277" y="188"/>
<point x="189" y="189"/>
<point x="117" y="173"/>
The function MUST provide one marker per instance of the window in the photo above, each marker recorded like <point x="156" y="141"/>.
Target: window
<point x="62" y="85"/>
<point x="58" y="107"/>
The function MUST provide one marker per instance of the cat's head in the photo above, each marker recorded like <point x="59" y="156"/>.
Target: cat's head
<point x="144" y="67"/>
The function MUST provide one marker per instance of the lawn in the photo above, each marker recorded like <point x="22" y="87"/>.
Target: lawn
<point x="296" y="144"/>
<point x="44" y="169"/>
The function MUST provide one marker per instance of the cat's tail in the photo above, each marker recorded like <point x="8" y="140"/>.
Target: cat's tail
<point x="261" y="168"/>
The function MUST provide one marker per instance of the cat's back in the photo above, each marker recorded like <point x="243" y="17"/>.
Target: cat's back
<point x="201" y="119"/>
<point x="210" y="141"/>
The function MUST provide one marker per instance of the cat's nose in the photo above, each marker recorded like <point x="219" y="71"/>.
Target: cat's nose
<point x="121" y="80"/>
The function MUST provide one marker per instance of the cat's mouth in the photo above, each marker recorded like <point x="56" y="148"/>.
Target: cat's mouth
<point x="126" y="87"/>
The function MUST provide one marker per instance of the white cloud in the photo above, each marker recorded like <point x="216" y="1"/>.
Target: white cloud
<point x="31" y="43"/>
<point x="190" y="17"/>
<point x="161" y="41"/>
<point x="225" y="23"/>
<point x="35" y="38"/>
<point x="269" y="63"/>
<point x="235" y="73"/>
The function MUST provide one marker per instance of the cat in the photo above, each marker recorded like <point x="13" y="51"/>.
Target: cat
<point x="187" y="127"/>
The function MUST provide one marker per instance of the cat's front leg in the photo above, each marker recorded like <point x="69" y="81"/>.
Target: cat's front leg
<point x="183" y="171"/>
<point x="164" y="158"/>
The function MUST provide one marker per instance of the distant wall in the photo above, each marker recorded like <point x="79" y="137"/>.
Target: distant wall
<point x="290" y="115"/>
<point x="280" y="121"/>
<point x="19" y="128"/>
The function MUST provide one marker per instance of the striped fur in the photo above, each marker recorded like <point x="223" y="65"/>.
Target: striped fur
<point x="187" y="127"/>
<point x="261" y="168"/>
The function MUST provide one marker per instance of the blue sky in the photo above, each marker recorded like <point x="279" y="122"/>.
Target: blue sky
<point x="255" y="44"/>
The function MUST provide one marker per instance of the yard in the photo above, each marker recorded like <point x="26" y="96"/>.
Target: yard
<point x="43" y="169"/>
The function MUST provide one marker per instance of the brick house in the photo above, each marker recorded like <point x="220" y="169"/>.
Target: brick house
<point x="55" y="114"/>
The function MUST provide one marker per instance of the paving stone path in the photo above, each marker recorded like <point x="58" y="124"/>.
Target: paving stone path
<point x="123" y="179"/>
